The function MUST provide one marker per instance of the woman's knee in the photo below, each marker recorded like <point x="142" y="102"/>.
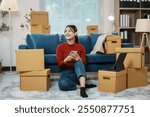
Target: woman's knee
<point x="63" y="85"/>
<point x="79" y="63"/>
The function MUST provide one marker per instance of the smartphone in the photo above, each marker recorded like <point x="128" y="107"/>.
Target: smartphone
<point x="73" y="53"/>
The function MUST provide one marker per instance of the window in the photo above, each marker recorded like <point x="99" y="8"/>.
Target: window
<point x="78" y="12"/>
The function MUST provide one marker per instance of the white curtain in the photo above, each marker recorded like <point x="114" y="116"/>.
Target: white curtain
<point x="78" y="12"/>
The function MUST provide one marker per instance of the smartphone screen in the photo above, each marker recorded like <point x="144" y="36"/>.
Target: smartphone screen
<point x="73" y="53"/>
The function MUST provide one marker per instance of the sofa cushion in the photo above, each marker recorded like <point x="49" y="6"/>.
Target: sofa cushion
<point x="100" y="58"/>
<point x="93" y="39"/>
<point x="42" y="41"/>
<point x="54" y="68"/>
<point x="96" y="67"/>
<point x="50" y="59"/>
<point x="63" y="39"/>
<point x="85" y="41"/>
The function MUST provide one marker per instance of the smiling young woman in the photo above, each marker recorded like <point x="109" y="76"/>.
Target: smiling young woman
<point x="71" y="57"/>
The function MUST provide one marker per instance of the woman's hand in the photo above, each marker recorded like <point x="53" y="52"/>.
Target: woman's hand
<point x="76" y="57"/>
<point x="68" y="58"/>
<point x="71" y="57"/>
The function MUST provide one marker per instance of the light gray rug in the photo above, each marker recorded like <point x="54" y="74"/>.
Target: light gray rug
<point x="9" y="90"/>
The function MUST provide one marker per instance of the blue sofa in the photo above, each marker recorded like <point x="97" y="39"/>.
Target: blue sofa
<point x="50" y="42"/>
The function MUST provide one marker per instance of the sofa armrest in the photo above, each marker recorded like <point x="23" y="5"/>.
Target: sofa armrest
<point x="127" y="45"/>
<point x="23" y="47"/>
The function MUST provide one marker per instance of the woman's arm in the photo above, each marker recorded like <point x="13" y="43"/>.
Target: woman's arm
<point x="59" y="56"/>
<point x="83" y="55"/>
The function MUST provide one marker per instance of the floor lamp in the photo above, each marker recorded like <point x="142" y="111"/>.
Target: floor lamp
<point x="143" y="25"/>
<point x="9" y="6"/>
<point x="111" y="18"/>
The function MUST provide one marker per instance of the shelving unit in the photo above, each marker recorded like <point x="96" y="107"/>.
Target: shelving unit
<point x="126" y="14"/>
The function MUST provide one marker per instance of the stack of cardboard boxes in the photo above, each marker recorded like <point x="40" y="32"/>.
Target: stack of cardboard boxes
<point x="134" y="75"/>
<point x="137" y="73"/>
<point x="112" y="81"/>
<point x="40" y="23"/>
<point x="33" y="75"/>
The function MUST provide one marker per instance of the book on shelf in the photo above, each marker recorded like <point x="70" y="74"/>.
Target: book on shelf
<point x="121" y="3"/>
<point x="124" y="20"/>
<point x="148" y="3"/>
<point x="142" y="3"/>
<point x="124" y="34"/>
<point x="127" y="3"/>
<point x="124" y="3"/>
<point x="131" y="3"/>
<point x="135" y="3"/>
<point x="147" y="16"/>
<point x="145" y="3"/>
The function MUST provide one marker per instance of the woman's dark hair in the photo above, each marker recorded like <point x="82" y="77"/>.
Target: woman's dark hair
<point x="73" y="28"/>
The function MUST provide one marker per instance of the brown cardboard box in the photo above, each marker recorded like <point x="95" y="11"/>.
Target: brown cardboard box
<point x="35" y="80"/>
<point x="134" y="58"/>
<point x="112" y="42"/>
<point x="40" y="29"/>
<point x="30" y="60"/>
<point x="111" y="81"/>
<point x="39" y="17"/>
<point x="92" y="29"/>
<point x="137" y="77"/>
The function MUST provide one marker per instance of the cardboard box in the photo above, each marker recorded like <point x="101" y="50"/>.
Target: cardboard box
<point x="35" y="80"/>
<point x="92" y="29"/>
<point x="112" y="42"/>
<point x="40" y="29"/>
<point x="30" y="60"/>
<point x="137" y="77"/>
<point x="40" y="18"/>
<point x="134" y="58"/>
<point x="111" y="81"/>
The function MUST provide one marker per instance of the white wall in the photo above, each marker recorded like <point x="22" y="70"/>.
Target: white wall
<point x="107" y="9"/>
<point x="19" y="34"/>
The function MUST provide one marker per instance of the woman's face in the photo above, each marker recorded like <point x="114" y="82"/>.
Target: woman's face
<point x="69" y="33"/>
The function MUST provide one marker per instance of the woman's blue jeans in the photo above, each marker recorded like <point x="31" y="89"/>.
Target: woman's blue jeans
<point x="69" y="78"/>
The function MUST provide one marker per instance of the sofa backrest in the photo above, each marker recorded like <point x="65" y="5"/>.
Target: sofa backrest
<point x="83" y="39"/>
<point x="42" y="41"/>
<point x="93" y="39"/>
<point x="50" y="42"/>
